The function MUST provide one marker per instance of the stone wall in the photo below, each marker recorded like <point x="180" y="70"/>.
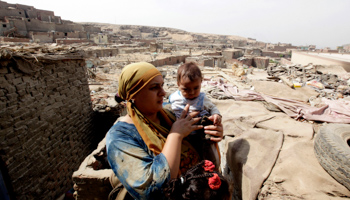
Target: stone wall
<point x="41" y="37"/>
<point x="269" y="53"/>
<point x="69" y="27"/>
<point x="46" y="122"/>
<point x="20" y="25"/>
<point x="58" y="35"/>
<point x="12" y="12"/>
<point x="38" y="26"/>
<point x="102" y="52"/>
<point x="70" y="41"/>
<point x="14" y="39"/>
<point x="261" y="62"/>
<point x="232" y="54"/>
<point x="169" y="60"/>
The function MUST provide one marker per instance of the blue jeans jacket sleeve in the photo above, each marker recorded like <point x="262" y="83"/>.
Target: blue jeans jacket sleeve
<point x="141" y="172"/>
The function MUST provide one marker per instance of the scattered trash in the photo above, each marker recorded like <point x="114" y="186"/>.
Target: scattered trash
<point x="315" y="84"/>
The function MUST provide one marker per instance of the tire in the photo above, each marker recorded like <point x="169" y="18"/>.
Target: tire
<point x="332" y="149"/>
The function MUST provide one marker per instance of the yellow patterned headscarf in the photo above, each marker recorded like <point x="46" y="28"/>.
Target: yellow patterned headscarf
<point x="133" y="78"/>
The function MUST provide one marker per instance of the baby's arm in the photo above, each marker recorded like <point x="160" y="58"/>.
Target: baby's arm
<point x="216" y="119"/>
<point x="213" y="110"/>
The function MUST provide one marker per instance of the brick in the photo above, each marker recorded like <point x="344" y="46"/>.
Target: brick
<point x="61" y="122"/>
<point x="6" y="123"/>
<point x="4" y="70"/>
<point x="19" y="112"/>
<point x="8" y="87"/>
<point x="3" y="80"/>
<point x="60" y="69"/>
<point x="12" y="141"/>
<point x="9" y="77"/>
<point x="20" y="86"/>
<point x="21" y="133"/>
<point x="17" y="81"/>
<point x="51" y="101"/>
<point x="57" y="105"/>
<point x="65" y="91"/>
<point x="5" y="132"/>
<point x="52" y="86"/>
<point x="2" y="105"/>
<point x="21" y="92"/>
<point x="26" y="100"/>
<point x="27" y="114"/>
<point x="60" y="74"/>
<point x="19" y="124"/>
<point x="16" y="119"/>
<point x="50" y="67"/>
<point x="32" y="83"/>
<point x="12" y="97"/>
<point x="41" y="97"/>
<point x="26" y="79"/>
<point x="41" y="126"/>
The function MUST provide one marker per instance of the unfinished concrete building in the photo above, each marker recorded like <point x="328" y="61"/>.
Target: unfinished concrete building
<point x="24" y="21"/>
<point x="230" y="54"/>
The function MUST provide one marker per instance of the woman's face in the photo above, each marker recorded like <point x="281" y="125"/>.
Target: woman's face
<point x="149" y="100"/>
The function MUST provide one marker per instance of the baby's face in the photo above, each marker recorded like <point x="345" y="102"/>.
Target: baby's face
<point x="190" y="89"/>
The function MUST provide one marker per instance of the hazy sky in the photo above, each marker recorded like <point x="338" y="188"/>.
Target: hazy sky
<point x="324" y="23"/>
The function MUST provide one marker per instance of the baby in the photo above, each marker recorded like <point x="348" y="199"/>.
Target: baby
<point x="189" y="80"/>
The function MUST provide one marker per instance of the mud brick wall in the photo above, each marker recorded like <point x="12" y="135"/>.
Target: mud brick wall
<point x="46" y="123"/>
<point x="261" y="62"/>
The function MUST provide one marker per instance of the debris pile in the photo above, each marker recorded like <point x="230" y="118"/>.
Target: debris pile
<point x="330" y="82"/>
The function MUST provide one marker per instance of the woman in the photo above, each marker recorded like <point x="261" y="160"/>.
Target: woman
<point x="147" y="148"/>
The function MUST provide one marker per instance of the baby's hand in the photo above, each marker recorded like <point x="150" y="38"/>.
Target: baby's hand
<point x="216" y="119"/>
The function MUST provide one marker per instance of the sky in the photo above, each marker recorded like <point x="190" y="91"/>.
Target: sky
<point x="324" y="23"/>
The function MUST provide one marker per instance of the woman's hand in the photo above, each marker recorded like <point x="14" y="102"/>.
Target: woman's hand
<point x="215" y="130"/>
<point x="186" y="123"/>
<point x="180" y="129"/>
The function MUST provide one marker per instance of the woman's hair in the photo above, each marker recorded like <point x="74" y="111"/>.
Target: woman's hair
<point x="189" y="70"/>
<point x="199" y="182"/>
